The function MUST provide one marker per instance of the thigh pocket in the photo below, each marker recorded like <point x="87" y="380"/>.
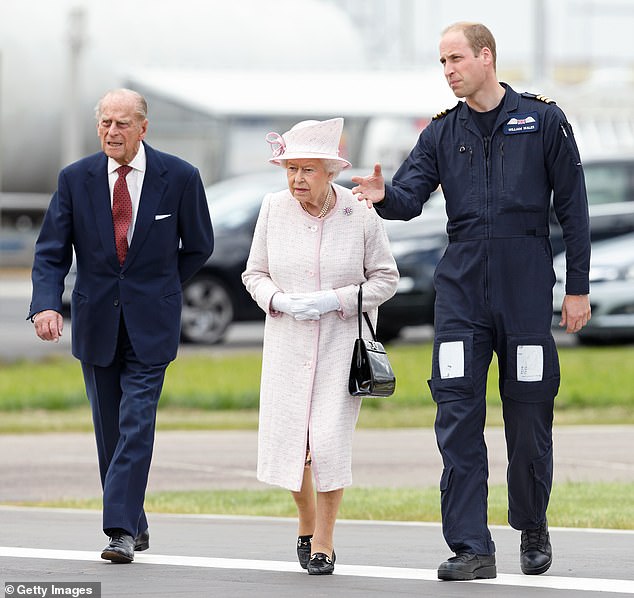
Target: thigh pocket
<point x="451" y="376"/>
<point x="532" y="372"/>
<point x="445" y="478"/>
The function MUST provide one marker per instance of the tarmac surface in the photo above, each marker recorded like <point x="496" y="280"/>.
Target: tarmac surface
<point x="241" y="556"/>
<point x="253" y="556"/>
<point x="42" y="467"/>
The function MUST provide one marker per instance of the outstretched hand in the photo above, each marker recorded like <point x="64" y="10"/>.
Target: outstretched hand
<point x="370" y="189"/>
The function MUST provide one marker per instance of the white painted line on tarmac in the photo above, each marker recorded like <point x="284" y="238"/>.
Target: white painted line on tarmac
<point x="588" y="584"/>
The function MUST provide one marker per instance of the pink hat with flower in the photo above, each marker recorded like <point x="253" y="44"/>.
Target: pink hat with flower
<point x="308" y="139"/>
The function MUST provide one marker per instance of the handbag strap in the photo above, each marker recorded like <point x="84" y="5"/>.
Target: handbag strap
<point x="365" y="315"/>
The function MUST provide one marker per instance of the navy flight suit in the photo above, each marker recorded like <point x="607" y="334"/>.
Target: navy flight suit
<point x="494" y="293"/>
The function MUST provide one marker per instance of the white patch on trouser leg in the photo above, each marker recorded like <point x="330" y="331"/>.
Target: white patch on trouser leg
<point x="451" y="359"/>
<point x="530" y="363"/>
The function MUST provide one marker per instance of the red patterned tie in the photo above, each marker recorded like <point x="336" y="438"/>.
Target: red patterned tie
<point x="121" y="212"/>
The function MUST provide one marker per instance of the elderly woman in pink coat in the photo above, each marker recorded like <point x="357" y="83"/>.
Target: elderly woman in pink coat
<point x="313" y="245"/>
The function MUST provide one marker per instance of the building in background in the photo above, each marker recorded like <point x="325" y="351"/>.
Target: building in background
<point x="58" y="57"/>
<point x="214" y="69"/>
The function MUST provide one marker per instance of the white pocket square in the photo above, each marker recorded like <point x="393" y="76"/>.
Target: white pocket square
<point x="161" y="216"/>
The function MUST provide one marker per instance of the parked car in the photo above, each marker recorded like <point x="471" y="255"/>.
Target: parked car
<point x="417" y="246"/>
<point x="216" y="297"/>
<point x="610" y="185"/>
<point x="611" y="291"/>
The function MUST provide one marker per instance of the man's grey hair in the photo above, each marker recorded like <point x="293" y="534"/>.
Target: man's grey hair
<point x="140" y="102"/>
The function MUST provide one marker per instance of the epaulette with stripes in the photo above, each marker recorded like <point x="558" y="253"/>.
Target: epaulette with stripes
<point x="444" y="112"/>
<point x="538" y="96"/>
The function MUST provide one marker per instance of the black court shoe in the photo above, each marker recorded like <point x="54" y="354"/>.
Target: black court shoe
<point x="303" y="550"/>
<point x="321" y="564"/>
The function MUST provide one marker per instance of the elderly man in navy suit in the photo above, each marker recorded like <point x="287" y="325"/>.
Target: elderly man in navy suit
<point x="139" y="224"/>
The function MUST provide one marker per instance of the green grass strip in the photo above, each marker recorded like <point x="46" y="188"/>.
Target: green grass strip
<point x="577" y="505"/>
<point x="592" y="378"/>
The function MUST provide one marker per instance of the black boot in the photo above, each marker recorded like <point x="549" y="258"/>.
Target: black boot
<point x="466" y="566"/>
<point x="536" y="553"/>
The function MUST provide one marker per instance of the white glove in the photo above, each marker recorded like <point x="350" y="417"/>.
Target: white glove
<point x="297" y="305"/>
<point x="306" y="306"/>
<point x="303" y="307"/>
<point x="282" y="302"/>
<point x="310" y="306"/>
<point x="326" y="301"/>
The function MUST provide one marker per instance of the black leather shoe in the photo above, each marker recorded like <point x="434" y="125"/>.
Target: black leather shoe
<point x="536" y="553"/>
<point x="466" y="566"/>
<point x="321" y="564"/>
<point x="142" y="541"/>
<point x="120" y="549"/>
<point x="303" y="550"/>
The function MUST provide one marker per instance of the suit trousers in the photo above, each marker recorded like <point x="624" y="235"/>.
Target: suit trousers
<point x="124" y="399"/>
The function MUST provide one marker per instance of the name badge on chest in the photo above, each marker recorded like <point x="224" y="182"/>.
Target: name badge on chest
<point x="522" y="123"/>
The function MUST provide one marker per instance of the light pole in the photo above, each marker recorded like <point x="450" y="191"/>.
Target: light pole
<point x="539" y="42"/>
<point x="76" y="42"/>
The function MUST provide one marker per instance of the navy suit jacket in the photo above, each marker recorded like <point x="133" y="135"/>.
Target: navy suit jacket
<point x="172" y="239"/>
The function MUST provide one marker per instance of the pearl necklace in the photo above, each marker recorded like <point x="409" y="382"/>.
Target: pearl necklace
<point x="325" y="207"/>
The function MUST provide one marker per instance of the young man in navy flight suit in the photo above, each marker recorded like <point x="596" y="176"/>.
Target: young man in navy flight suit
<point x="499" y="157"/>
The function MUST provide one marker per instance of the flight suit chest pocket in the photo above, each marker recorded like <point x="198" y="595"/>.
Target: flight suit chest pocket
<point x="521" y="184"/>
<point x="451" y="378"/>
<point x="460" y="180"/>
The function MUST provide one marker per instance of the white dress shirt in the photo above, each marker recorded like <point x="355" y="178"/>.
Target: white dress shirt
<point x="134" y="181"/>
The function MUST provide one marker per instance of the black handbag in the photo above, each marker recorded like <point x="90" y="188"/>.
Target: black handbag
<point x="371" y="374"/>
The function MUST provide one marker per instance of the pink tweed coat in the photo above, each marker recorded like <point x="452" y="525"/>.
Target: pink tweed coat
<point x="305" y="365"/>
